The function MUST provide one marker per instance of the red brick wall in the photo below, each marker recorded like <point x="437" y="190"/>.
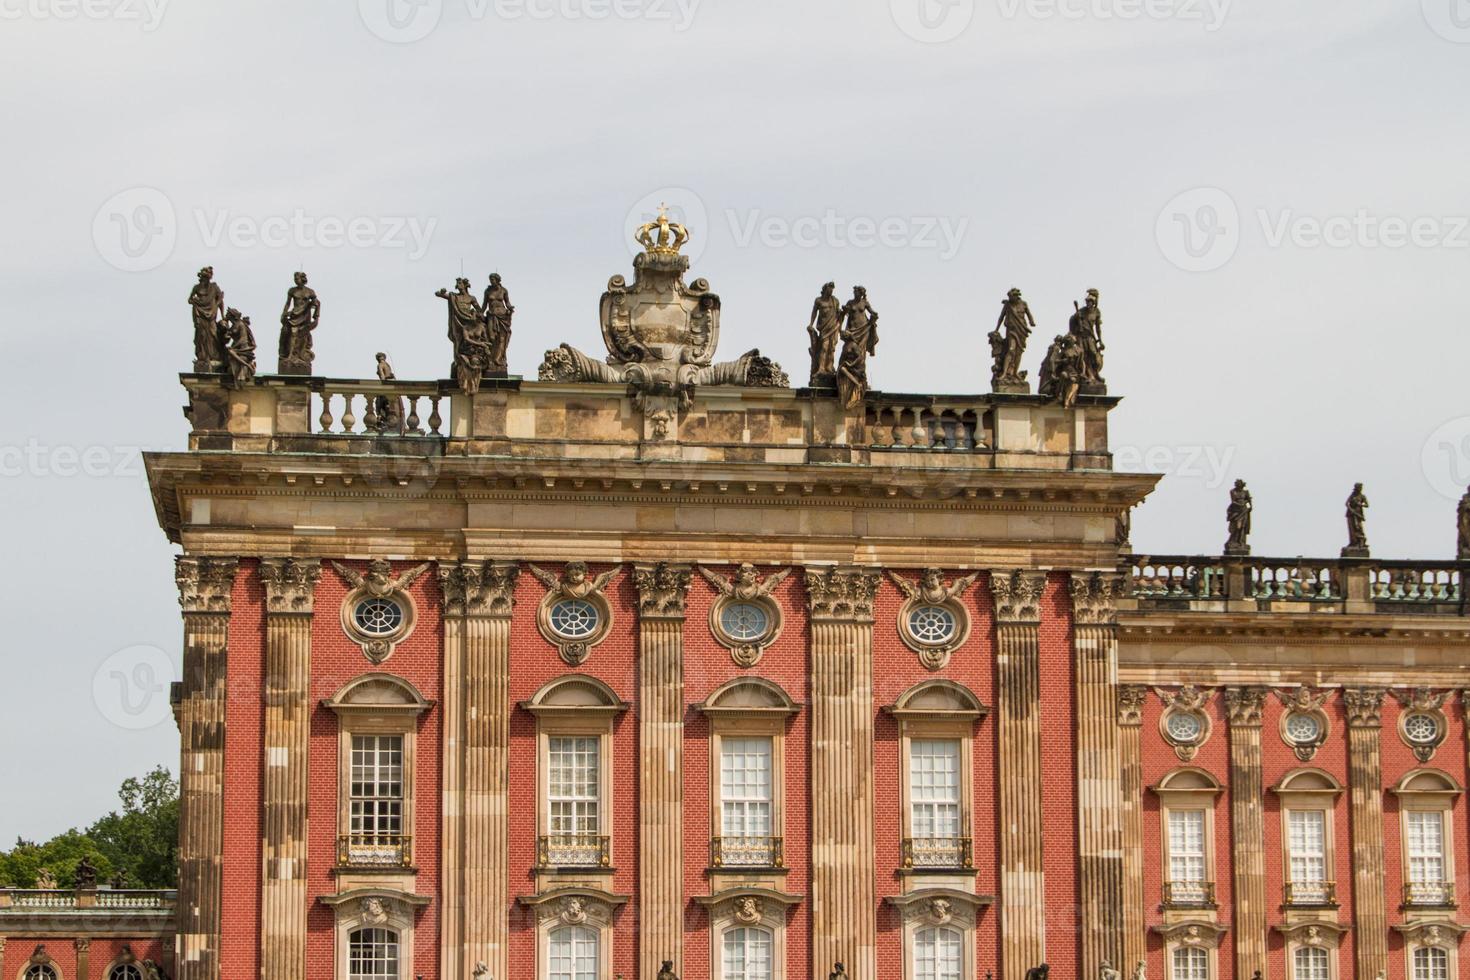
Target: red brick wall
<point x="18" y="950"/>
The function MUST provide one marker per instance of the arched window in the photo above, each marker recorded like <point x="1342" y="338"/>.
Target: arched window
<point x="372" y="954"/>
<point x="571" y="953"/>
<point x="748" y="954"/>
<point x="125" y="971"/>
<point x="1310" y="963"/>
<point x="938" y="954"/>
<point x="1190" y="963"/>
<point x="1431" y="963"/>
<point x="40" y="971"/>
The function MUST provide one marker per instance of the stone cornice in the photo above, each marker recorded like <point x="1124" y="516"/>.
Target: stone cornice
<point x="205" y="584"/>
<point x="1243" y="706"/>
<point x="841" y="594"/>
<point x="1364" y="706"/>
<point x="478" y="588"/>
<point x="1017" y="596"/>
<point x="290" y="584"/>
<point x="663" y="589"/>
<point x="1095" y="597"/>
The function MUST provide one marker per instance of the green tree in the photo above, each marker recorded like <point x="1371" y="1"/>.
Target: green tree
<point x="140" y="843"/>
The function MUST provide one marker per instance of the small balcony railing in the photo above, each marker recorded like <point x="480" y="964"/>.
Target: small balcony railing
<point x="1189" y="894"/>
<point x="571" y="851"/>
<point x="1429" y="894"/>
<point x="1308" y="893"/>
<point x="937" y="852"/>
<point x="374" y="851"/>
<point x="746" y="852"/>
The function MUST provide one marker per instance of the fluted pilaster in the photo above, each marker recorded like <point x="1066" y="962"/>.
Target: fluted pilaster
<point x="1099" y="787"/>
<point x="662" y="591"/>
<point x="1243" y="707"/>
<point x="1365" y="799"/>
<point x="1134" y="941"/>
<point x="205" y="586"/>
<point x="843" y="859"/>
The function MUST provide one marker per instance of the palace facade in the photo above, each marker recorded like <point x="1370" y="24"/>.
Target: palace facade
<point x="579" y="679"/>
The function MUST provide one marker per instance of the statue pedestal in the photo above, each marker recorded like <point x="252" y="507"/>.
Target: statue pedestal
<point x="1092" y="388"/>
<point x="293" y="367"/>
<point x="1237" y="552"/>
<point x="1355" y="552"/>
<point x="1009" y="388"/>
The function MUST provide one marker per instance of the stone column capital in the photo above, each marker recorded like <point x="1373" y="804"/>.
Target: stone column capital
<point x="1130" y="704"/>
<point x="1243" y="706"/>
<point x="1095" y="597"/>
<point x="841" y="593"/>
<point x="82" y="945"/>
<point x="662" y="589"/>
<point x="1364" y="706"/>
<point x="479" y="588"/>
<point x="290" y="584"/>
<point x="205" y="584"/>
<point x="1017" y="596"/>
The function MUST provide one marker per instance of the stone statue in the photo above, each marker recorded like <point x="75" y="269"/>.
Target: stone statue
<point x="747" y="583"/>
<point x="1463" y="523"/>
<point x="839" y="972"/>
<point x="1140" y="971"/>
<point x="1015" y="315"/>
<point x="823" y="329"/>
<point x="1238" y="520"/>
<point x="239" y="348"/>
<point x="666" y="972"/>
<point x="1123" y="530"/>
<point x="1357" y="514"/>
<point x="86" y="874"/>
<point x="467" y="333"/>
<point x="1107" y="971"/>
<point x="387" y="410"/>
<point x="1038" y="972"/>
<point x="45" y="880"/>
<point x="498" y="313"/>
<point x="1086" y="327"/>
<point x="299" y="318"/>
<point x="208" y="303"/>
<point x="859" y="341"/>
<point x="152" y="971"/>
<point x="1062" y="372"/>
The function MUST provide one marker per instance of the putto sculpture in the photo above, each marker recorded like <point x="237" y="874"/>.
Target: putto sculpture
<point x="823" y="328"/>
<point x="1357" y="519"/>
<point x="1238" y="520"/>
<point x="1007" y="349"/>
<point x="299" y="319"/>
<point x="859" y="342"/>
<point x="207" y="302"/>
<point x="661" y="332"/>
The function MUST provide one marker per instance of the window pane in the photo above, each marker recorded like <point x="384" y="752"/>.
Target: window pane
<point x="745" y="787"/>
<point x="376" y="803"/>
<point x="372" y="954"/>
<point x="572" y="954"/>
<point x="1187" y="845"/>
<point x="934" y="788"/>
<point x="1431" y="963"/>
<point x="938" y="954"/>
<point x="1190" y="963"/>
<point x="747" y="954"/>
<point x="1307" y="832"/>
<point x="572" y="783"/>
<point x="1309" y="963"/>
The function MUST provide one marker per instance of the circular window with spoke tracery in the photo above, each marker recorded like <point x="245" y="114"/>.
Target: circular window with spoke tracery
<point x="574" y="619"/>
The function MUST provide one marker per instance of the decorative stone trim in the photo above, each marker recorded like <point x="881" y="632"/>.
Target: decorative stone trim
<point x="663" y="590"/>
<point x="1095" y="597"/>
<point x="1131" y="698"/>
<point x="1431" y="932"/>
<point x="290" y="584"/>
<point x="1364" y="706"/>
<point x="940" y="906"/>
<point x="479" y="588"/>
<point x="1244" y="705"/>
<point x="1017" y="596"/>
<point x="1303" y="702"/>
<point x="841" y="593"/>
<point x="746" y="587"/>
<point x="574" y="905"/>
<point x="575" y="583"/>
<point x="205" y="584"/>
<point x="1188" y="701"/>
<point x="1192" y="932"/>
<point x="1322" y="933"/>
<point x="1422" y="703"/>
<point x="378" y="583"/>
<point x="930" y="590"/>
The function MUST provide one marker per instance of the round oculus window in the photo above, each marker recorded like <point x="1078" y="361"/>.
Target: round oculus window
<point x="1185" y="726"/>
<point x="378" y="616"/>
<point x="574" y="619"/>
<point x="1303" y="729"/>
<point x="932" y="625"/>
<point x="745" y="621"/>
<point x="1421" y="728"/>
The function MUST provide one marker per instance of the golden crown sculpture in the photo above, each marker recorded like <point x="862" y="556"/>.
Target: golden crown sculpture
<point x="662" y="236"/>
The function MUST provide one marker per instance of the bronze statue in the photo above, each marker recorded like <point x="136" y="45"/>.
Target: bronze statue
<point x="1015" y="316"/>
<point x="1238" y="520"/>
<point x="239" y="348"/>
<point x="387" y="410"/>
<point x="498" y="312"/>
<point x="1357" y="516"/>
<point x="299" y="318"/>
<point x="859" y="341"/>
<point x="823" y="329"/>
<point x="467" y="334"/>
<point x="1463" y="522"/>
<point x="1086" y="327"/>
<point x="208" y="303"/>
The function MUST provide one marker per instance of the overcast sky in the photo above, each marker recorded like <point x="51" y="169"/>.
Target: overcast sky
<point x="1271" y="197"/>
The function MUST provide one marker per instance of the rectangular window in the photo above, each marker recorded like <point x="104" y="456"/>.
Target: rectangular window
<point x="1309" y="963"/>
<point x="938" y="954"/>
<point x="745" y="787"/>
<point x="748" y="954"/>
<point x="377" y="790"/>
<point x="1307" y="847"/>
<point x="934" y="789"/>
<point x="1190" y="963"/>
<point x="1187" y="846"/>
<point x="1431" y="963"/>
<point x="571" y="954"/>
<point x="572" y="783"/>
<point x="1426" y="847"/>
